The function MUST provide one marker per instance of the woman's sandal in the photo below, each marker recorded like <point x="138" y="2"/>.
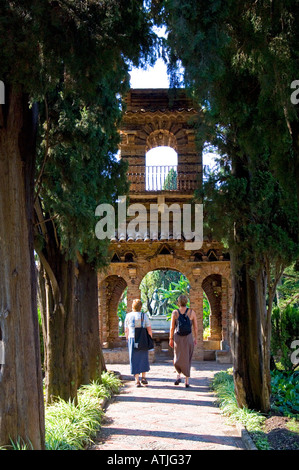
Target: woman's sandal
<point x="137" y="384"/>
<point x="144" y="381"/>
<point x="177" y="382"/>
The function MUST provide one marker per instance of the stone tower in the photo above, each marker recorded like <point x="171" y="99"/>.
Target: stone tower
<point x="164" y="118"/>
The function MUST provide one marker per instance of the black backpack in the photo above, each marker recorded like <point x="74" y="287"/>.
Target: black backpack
<point x="184" y="324"/>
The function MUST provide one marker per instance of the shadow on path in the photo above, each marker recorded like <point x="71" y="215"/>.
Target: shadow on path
<point x="162" y="416"/>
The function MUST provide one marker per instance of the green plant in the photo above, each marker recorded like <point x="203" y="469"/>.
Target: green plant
<point x="223" y="385"/>
<point x="170" y="182"/>
<point x="206" y="315"/>
<point x="293" y="425"/>
<point x="285" y="392"/>
<point x="285" y="329"/>
<point x="122" y="311"/>
<point x="174" y="290"/>
<point x="71" y="426"/>
<point x="111" y="382"/>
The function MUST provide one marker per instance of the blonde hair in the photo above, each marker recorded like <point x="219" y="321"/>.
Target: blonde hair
<point x="136" y="305"/>
<point x="182" y="300"/>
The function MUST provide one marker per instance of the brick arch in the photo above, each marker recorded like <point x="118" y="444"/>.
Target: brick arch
<point x="212" y="287"/>
<point x="165" y="262"/>
<point x="159" y="138"/>
<point x="111" y="290"/>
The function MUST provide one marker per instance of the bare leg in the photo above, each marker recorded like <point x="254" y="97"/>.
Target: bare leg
<point x="137" y="382"/>
<point x="143" y="379"/>
<point x="178" y="379"/>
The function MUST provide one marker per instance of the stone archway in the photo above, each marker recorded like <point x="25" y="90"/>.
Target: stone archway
<point x="153" y="118"/>
<point x="111" y="289"/>
<point x="212" y="287"/>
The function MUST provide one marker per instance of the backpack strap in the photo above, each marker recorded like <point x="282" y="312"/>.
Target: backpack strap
<point x="183" y="313"/>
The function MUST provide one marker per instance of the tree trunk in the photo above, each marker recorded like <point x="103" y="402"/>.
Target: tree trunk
<point x="58" y="317"/>
<point x="21" y="394"/>
<point x="251" y="339"/>
<point x="251" y="320"/>
<point x="89" y="353"/>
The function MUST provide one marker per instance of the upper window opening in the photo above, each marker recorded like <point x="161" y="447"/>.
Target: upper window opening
<point x="161" y="169"/>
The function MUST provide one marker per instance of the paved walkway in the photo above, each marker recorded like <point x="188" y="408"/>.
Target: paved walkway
<point x="162" y="416"/>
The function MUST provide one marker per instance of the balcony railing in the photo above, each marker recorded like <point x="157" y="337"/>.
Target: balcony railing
<point x="182" y="178"/>
<point x="161" y="177"/>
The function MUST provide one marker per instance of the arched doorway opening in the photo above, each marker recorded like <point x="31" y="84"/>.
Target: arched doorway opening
<point x="159" y="290"/>
<point x="212" y="287"/>
<point x="111" y="293"/>
<point x="161" y="169"/>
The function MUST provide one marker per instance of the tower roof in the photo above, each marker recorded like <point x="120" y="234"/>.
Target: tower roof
<point x="158" y="99"/>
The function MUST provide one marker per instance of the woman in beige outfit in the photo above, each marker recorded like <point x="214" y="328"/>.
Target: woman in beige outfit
<point x="183" y="345"/>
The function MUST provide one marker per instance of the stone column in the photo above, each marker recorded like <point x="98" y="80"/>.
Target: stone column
<point x="196" y="302"/>
<point x="103" y="313"/>
<point x="226" y="314"/>
<point x="133" y="291"/>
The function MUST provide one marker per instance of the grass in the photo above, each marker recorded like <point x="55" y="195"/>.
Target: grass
<point x="73" y="427"/>
<point x="223" y="385"/>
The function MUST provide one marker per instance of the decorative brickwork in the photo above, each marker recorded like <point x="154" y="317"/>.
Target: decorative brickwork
<point x="155" y="118"/>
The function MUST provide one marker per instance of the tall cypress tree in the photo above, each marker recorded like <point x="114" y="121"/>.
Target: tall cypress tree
<point x="247" y="197"/>
<point x="80" y="173"/>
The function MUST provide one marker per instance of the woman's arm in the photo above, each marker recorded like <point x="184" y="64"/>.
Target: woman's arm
<point x="194" y="322"/>
<point x="149" y="329"/>
<point x="127" y="327"/>
<point x="172" y="327"/>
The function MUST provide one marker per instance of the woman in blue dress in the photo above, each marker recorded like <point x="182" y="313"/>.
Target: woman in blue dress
<point x="139" y="360"/>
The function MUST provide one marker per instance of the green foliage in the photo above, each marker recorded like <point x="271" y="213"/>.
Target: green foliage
<point x="223" y="384"/>
<point x="174" y="290"/>
<point x="170" y="182"/>
<point x="288" y="289"/>
<point x="122" y="311"/>
<point x="81" y="170"/>
<point x="154" y="301"/>
<point x="40" y="41"/>
<point x="164" y="298"/>
<point x="111" y="382"/>
<point x="285" y="392"/>
<point x="206" y="313"/>
<point x="285" y="329"/>
<point x="72" y="427"/>
<point x="285" y="400"/>
<point x="250" y="199"/>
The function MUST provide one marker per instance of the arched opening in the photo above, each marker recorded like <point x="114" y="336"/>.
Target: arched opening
<point x="206" y="314"/>
<point x="121" y="313"/>
<point x="161" y="169"/>
<point x="111" y="295"/>
<point x="213" y="292"/>
<point x="129" y="257"/>
<point x="159" y="292"/>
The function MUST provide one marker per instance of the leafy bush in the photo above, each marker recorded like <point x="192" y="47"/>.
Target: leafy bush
<point x="71" y="426"/>
<point x="223" y="384"/>
<point x="285" y="329"/>
<point x="285" y="392"/>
